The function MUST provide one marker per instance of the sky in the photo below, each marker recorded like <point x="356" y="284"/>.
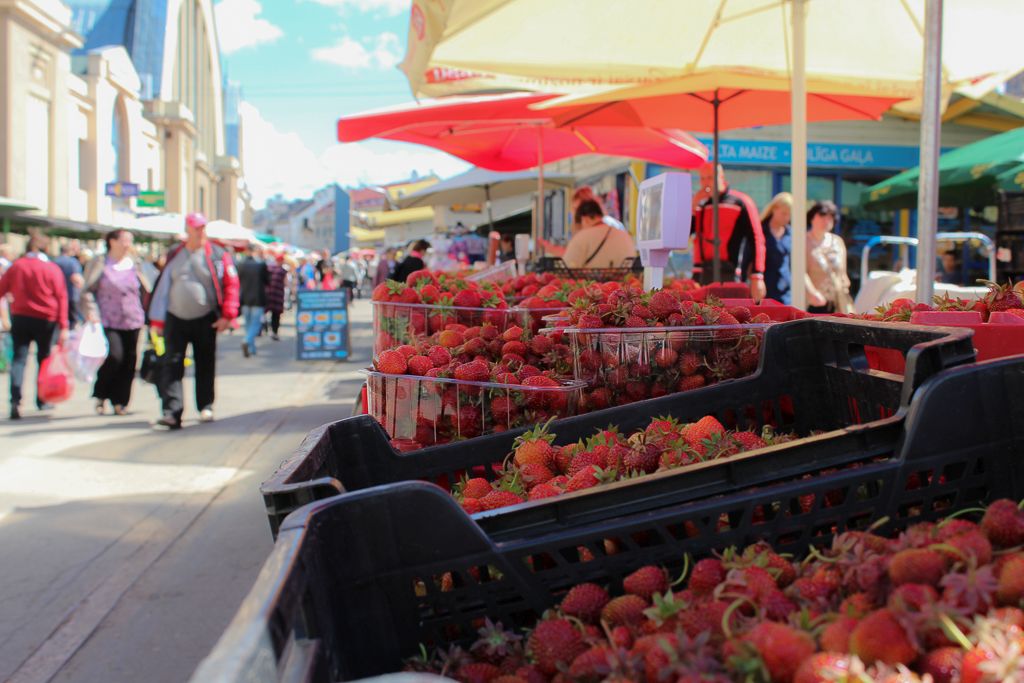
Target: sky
<point x="304" y="63"/>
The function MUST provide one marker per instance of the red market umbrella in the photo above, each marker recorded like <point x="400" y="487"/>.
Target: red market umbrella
<point x="504" y="134"/>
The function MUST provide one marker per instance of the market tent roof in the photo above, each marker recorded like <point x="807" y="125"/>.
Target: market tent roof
<point x="159" y="225"/>
<point x="477" y="185"/>
<point x="968" y="176"/>
<point x="364" y="236"/>
<point x="386" y="219"/>
<point x="229" y="232"/>
<point x="9" y="205"/>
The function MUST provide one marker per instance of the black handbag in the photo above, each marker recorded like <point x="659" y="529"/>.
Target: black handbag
<point x="149" y="371"/>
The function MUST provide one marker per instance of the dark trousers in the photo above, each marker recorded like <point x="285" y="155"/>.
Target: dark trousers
<point x="275" y="322"/>
<point x="114" y="379"/>
<point x="178" y="334"/>
<point x="25" y="330"/>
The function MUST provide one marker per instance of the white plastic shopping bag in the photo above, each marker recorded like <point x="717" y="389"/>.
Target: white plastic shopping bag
<point x="86" y="350"/>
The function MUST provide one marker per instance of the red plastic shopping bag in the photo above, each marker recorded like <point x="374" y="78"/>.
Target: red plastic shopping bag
<point x="56" y="379"/>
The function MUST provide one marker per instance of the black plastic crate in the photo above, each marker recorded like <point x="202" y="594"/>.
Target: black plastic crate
<point x="354" y="584"/>
<point x="556" y="266"/>
<point x="813" y="377"/>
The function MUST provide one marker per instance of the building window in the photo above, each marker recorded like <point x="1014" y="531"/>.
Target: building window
<point x="37" y="152"/>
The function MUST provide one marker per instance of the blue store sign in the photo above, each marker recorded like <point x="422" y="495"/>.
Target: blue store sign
<point x="819" y="154"/>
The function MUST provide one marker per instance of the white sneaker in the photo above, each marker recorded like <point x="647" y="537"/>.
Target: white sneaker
<point x="206" y="414"/>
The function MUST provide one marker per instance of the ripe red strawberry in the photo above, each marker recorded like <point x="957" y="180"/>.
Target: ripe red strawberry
<point x="643" y="458"/>
<point x="967" y="545"/>
<point x="513" y="333"/>
<point x="624" y="610"/>
<point x="782" y="648"/>
<point x="741" y="313"/>
<point x="585" y="601"/>
<point x="1001" y="297"/>
<point x="836" y="636"/>
<point x="748" y="441"/>
<point x="419" y="365"/>
<point x="392" y="363"/>
<point x="646" y="581"/>
<point x="499" y="499"/>
<point x="450" y="339"/>
<point x="534" y="446"/>
<point x="584" y="479"/>
<point x="406" y="350"/>
<point x="534" y="473"/>
<point x="586" y="460"/>
<point x="541" y="344"/>
<point x="596" y="664"/>
<point x="1003" y="523"/>
<point x="477" y="672"/>
<point x="1011" y="580"/>
<point x="474" y="371"/>
<point x="554" y="642"/>
<point x="477" y="487"/>
<point x="702" y="429"/>
<point x="690" y="362"/>
<point x="823" y="667"/>
<point x="943" y="664"/>
<point x="917" y="565"/>
<point x="879" y="637"/>
<point x="467" y="298"/>
<point x="420" y="276"/>
<point x="514" y="347"/>
<point x="472" y="506"/>
<point x="662" y="304"/>
<point x="690" y="382"/>
<point x="547" y="490"/>
<point x="429" y="293"/>
<point x="439" y="356"/>
<point x="504" y="410"/>
<point x="665" y="358"/>
<point x="706" y="575"/>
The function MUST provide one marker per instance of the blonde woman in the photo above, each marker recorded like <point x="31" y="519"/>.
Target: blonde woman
<point x="829" y="288"/>
<point x="778" y="247"/>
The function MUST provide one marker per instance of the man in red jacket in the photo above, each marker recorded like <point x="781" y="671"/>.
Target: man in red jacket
<point x="39" y="305"/>
<point x="195" y="297"/>
<point x="739" y="232"/>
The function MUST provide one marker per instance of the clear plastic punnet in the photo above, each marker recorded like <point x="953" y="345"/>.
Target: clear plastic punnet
<point x="420" y="411"/>
<point x="395" y="324"/>
<point x="627" y="364"/>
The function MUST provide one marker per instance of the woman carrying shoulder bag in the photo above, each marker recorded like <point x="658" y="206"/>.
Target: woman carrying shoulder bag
<point x="115" y="284"/>
<point x="829" y="286"/>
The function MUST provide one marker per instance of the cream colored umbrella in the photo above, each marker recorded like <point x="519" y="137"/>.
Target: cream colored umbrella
<point x="650" y="47"/>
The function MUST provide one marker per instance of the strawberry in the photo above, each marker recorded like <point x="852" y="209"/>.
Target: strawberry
<point x="823" y="667"/>
<point x="439" y="356"/>
<point x="513" y="333"/>
<point x="472" y="506"/>
<point x="1003" y="523"/>
<point x="584" y="479"/>
<point x="419" y="365"/>
<point x="782" y="648"/>
<point x="879" y="637"/>
<point x="748" y="441"/>
<point x="690" y="382"/>
<point x="596" y="664"/>
<point x="585" y="601"/>
<point x="706" y="575"/>
<point x="662" y="304"/>
<point x="477" y="487"/>
<point x="646" y="581"/>
<point x="534" y="446"/>
<point x="474" y="371"/>
<point x="499" y="499"/>
<point x="406" y="350"/>
<point x="1001" y="297"/>
<point x="836" y="636"/>
<point x="477" y="672"/>
<point x="917" y="565"/>
<point x="702" y="429"/>
<point x="391" y="363"/>
<point x="429" y="293"/>
<point x="534" y="474"/>
<point x="690" y="362"/>
<point x="943" y="664"/>
<point x="546" y="490"/>
<point x="623" y="610"/>
<point x="553" y="643"/>
<point x="450" y="339"/>
<point x="541" y="344"/>
<point x="586" y="460"/>
<point x="666" y="357"/>
<point x="467" y="298"/>
<point x="1011" y="580"/>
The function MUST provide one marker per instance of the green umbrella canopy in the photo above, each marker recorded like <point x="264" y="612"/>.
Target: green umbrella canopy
<point x="968" y="176"/>
<point x="267" y="238"/>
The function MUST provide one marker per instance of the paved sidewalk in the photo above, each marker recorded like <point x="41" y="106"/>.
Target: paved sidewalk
<point x="127" y="551"/>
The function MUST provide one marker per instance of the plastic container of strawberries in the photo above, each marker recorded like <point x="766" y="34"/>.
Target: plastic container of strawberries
<point x="1001" y="336"/>
<point x="533" y="318"/>
<point x="354" y="584"/>
<point x="628" y="364"/>
<point x="813" y="378"/>
<point x="395" y="324"/>
<point x="418" y="411"/>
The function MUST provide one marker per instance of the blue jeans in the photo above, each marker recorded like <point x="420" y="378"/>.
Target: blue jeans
<point x="253" y="323"/>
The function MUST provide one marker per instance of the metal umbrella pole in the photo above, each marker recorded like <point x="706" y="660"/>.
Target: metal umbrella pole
<point x="931" y="134"/>
<point x="490" y="214"/>
<point x="717" y="267"/>
<point x="538" y="223"/>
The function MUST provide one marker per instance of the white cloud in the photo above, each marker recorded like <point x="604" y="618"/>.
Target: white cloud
<point x="388" y="7"/>
<point x="239" y="25"/>
<point x="382" y="51"/>
<point x="280" y="162"/>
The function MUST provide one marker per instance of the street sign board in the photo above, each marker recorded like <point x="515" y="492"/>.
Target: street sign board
<point x="154" y="199"/>
<point x="321" y="321"/>
<point x="121" y="189"/>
